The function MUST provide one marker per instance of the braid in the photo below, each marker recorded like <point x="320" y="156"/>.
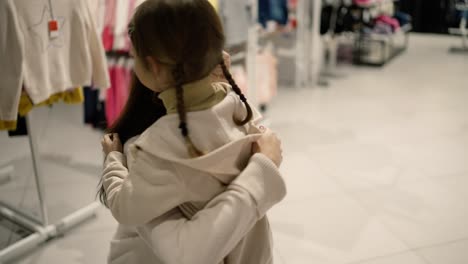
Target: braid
<point x="178" y="75"/>
<point x="238" y="91"/>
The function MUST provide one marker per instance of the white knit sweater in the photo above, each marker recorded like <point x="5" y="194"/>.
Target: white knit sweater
<point x="44" y="65"/>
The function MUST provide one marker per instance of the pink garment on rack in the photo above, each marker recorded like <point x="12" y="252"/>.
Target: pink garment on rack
<point x="393" y="22"/>
<point x="364" y="2"/>
<point x="292" y="3"/>
<point x="109" y="21"/>
<point x="117" y="94"/>
<point x="122" y="87"/>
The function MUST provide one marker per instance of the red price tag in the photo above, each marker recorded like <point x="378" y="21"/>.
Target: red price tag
<point x="53" y="29"/>
<point x="53" y="25"/>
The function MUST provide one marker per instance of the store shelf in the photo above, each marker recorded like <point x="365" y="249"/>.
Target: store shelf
<point x="378" y="49"/>
<point x="461" y="7"/>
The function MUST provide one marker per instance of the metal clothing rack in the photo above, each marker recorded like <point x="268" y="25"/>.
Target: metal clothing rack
<point x="462" y="30"/>
<point x="308" y="16"/>
<point x="40" y="231"/>
<point x="329" y="67"/>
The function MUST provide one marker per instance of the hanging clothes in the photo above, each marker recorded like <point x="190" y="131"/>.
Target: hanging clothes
<point x="47" y="65"/>
<point x="117" y="94"/>
<point x="11" y="81"/>
<point x="21" y="128"/>
<point x="273" y="10"/>
<point x="123" y="12"/>
<point x="94" y="108"/>
<point x="98" y="9"/>
<point x="236" y="17"/>
<point x="109" y="22"/>
<point x="72" y="96"/>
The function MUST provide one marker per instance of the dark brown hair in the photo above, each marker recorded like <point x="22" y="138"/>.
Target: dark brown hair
<point x="142" y="109"/>
<point x="185" y="36"/>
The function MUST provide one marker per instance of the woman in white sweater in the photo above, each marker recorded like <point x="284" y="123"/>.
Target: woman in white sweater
<point x="180" y="197"/>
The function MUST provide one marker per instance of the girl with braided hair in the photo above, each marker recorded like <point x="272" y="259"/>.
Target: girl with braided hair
<point x="196" y="182"/>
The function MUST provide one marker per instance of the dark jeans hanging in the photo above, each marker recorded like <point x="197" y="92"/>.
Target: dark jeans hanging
<point x="94" y="109"/>
<point x="21" y="128"/>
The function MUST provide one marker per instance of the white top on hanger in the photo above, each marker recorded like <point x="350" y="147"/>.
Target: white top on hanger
<point x="45" y="65"/>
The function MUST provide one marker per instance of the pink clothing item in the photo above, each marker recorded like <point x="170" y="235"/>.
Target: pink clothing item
<point x="122" y="88"/>
<point x="109" y="21"/>
<point x="364" y="2"/>
<point x="293" y="3"/>
<point x="117" y="94"/>
<point x="111" y="114"/>
<point x="107" y="38"/>
<point x="393" y="22"/>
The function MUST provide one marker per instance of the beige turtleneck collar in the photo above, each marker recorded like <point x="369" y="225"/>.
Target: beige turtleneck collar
<point x="199" y="95"/>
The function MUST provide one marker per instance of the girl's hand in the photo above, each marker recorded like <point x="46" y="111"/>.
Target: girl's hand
<point x="111" y="142"/>
<point x="269" y="145"/>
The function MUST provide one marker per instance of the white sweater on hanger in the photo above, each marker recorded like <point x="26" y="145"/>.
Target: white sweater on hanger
<point x="44" y="65"/>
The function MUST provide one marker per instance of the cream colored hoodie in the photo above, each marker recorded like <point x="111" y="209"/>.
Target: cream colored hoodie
<point x="229" y="192"/>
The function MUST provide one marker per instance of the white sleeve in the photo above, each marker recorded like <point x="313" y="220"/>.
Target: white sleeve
<point x="100" y="71"/>
<point x="11" y="61"/>
<point x="149" y="179"/>
<point x="216" y="230"/>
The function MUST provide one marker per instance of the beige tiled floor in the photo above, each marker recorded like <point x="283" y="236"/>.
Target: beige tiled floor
<point x="376" y="165"/>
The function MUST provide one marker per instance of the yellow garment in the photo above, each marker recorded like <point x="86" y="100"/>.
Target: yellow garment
<point x="214" y="3"/>
<point x="198" y="96"/>
<point x="7" y="124"/>
<point x="74" y="96"/>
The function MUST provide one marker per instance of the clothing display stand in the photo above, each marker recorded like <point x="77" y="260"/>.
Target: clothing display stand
<point x="388" y="50"/>
<point x="462" y="30"/>
<point x="41" y="230"/>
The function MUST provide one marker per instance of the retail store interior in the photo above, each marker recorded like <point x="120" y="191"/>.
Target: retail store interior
<point x="369" y="99"/>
